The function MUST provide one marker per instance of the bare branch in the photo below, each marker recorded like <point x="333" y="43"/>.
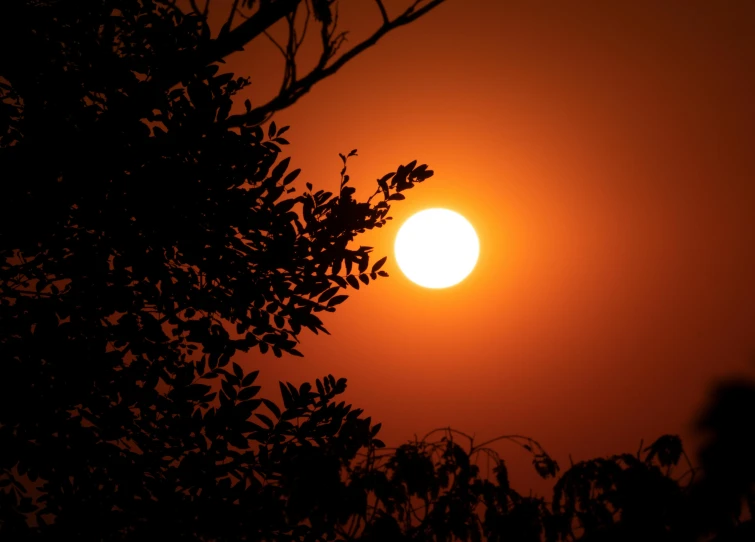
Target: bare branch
<point x="202" y="14"/>
<point x="384" y="13"/>
<point x="325" y="39"/>
<point x="335" y="42"/>
<point x="290" y="73"/>
<point x="300" y="87"/>
<point x="236" y="39"/>
<point x="277" y="45"/>
<point x="289" y="53"/>
<point x="229" y="41"/>
<point x="229" y="21"/>
<point x="306" y="24"/>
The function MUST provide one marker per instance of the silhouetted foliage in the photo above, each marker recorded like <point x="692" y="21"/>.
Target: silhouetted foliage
<point x="148" y="235"/>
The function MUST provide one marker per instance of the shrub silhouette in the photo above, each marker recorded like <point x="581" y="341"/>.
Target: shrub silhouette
<point x="148" y="235"/>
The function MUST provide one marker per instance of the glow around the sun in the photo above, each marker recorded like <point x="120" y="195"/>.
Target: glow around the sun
<point x="437" y="248"/>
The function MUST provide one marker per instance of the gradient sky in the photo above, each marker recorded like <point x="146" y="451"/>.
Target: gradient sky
<point x="604" y="153"/>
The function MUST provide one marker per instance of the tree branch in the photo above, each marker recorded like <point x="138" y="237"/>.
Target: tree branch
<point x="235" y="40"/>
<point x="300" y="87"/>
<point x="229" y="21"/>
<point x="384" y="13"/>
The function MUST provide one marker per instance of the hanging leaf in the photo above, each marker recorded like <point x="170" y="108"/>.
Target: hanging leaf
<point x="337" y="300"/>
<point x="250" y="378"/>
<point x="248" y="393"/>
<point x="273" y="407"/>
<point x="266" y="420"/>
<point x="330" y="292"/>
<point x="378" y="264"/>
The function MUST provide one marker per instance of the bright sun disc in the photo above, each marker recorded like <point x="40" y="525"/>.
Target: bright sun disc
<point x="437" y="248"/>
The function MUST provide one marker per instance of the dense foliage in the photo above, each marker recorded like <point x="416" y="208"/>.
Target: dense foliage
<point x="148" y="235"/>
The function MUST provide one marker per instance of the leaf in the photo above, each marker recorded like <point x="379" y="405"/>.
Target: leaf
<point x="248" y="393"/>
<point x="378" y="264"/>
<point x="337" y="300"/>
<point x="353" y="281"/>
<point x="353" y="153"/>
<point x="338" y="280"/>
<point x="271" y="130"/>
<point x="327" y="294"/>
<point x="292" y="176"/>
<point x="267" y="421"/>
<point x="286" y="395"/>
<point x="238" y="371"/>
<point x="396" y="197"/>
<point x="234" y="439"/>
<point x="196" y="391"/>
<point x="248" y="379"/>
<point x="222" y="79"/>
<point x="273" y="407"/>
<point x="280" y="169"/>
<point x="387" y="177"/>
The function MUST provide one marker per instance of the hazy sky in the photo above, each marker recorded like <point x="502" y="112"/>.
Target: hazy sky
<point x="605" y="154"/>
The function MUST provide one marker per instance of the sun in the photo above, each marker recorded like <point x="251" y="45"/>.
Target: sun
<point x="437" y="248"/>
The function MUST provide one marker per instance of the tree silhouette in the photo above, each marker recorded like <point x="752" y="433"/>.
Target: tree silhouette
<point x="148" y="235"/>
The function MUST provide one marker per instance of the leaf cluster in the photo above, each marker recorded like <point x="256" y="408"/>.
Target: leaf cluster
<point x="173" y="227"/>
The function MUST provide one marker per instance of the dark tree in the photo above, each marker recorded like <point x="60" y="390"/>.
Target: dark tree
<point x="147" y="235"/>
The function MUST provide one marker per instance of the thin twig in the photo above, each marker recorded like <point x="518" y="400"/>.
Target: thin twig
<point x="306" y="24"/>
<point x="383" y="12"/>
<point x="229" y="21"/>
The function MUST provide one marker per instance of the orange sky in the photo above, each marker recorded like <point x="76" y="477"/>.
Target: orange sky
<point x="605" y="156"/>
